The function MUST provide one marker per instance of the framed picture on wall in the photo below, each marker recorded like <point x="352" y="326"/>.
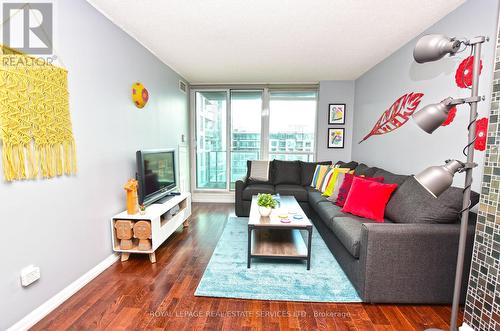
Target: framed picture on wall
<point x="336" y="113"/>
<point x="336" y="137"/>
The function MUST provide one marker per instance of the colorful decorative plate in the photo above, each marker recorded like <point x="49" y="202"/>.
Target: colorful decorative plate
<point x="140" y="95"/>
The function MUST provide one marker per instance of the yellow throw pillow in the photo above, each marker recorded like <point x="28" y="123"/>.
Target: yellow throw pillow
<point x="331" y="184"/>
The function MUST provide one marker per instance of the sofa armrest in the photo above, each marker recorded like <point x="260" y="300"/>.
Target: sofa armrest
<point x="412" y="261"/>
<point x="240" y="185"/>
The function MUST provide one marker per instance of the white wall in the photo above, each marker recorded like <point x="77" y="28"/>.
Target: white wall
<point x="334" y="91"/>
<point x="62" y="224"/>
<point x="409" y="149"/>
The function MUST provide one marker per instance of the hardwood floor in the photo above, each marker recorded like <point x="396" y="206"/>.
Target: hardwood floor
<point x="137" y="295"/>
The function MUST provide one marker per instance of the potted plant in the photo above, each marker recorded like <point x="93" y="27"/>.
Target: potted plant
<point x="142" y="209"/>
<point x="266" y="203"/>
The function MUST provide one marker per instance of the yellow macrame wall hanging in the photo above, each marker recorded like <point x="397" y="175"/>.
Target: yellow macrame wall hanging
<point x="35" y="124"/>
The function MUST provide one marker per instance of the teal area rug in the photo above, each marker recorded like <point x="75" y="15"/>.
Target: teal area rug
<point x="227" y="275"/>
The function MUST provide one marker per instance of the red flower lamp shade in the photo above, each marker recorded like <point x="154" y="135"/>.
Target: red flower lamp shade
<point x="481" y="133"/>
<point x="463" y="75"/>
<point x="451" y="116"/>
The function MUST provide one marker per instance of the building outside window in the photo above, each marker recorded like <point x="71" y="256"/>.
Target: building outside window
<point x="283" y="130"/>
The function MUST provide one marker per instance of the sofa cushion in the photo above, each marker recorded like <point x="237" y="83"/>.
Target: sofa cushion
<point x="364" y="170"/>
<point x="298" y="191"/>
<point x="254" y="189"/>
<point x="348" y="231"/>
<point x="351" y="165"/>
<point x="307" y="171"/>
<point x="314" y="196"/>
<point x="389" y="177"/>
<point x="327" y="211"/>
<point x="286" y="172"/>
<point x="411" y="203"/>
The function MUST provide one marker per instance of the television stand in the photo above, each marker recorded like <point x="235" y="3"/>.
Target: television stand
<point x="164" y="199"/>
<point x="163" y="224"/>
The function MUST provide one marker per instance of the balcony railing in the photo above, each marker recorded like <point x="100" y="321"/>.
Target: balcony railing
<point x="211" y="166"/>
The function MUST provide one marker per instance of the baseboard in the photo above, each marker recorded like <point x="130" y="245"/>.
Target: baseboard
<point x="213" y="197"/>
<point x="465" y="327"/>
<point x="45" y="308"/>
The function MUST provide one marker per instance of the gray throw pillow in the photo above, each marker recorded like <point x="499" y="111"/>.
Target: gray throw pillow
<point x="364" y="170"/>
<point x="389" y="177"/>
<point x="351" y="165"/>
<point x="411" y="203"/>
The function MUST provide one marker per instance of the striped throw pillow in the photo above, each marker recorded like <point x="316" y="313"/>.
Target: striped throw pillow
<point x="327" y="179"/>
<point x="321" y="176"/>
<point x="319" y="173"/>
<point x="331" y="183"/>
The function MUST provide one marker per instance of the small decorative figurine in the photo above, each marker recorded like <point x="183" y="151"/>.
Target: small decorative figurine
<point x="124" y="233"/>
<point x="132" y="199"/>
<point x="142" y="231"/>
<point x="142" y="209"/>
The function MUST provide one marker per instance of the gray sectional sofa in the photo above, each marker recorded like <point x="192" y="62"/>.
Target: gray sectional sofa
<point x="410" y="258"/>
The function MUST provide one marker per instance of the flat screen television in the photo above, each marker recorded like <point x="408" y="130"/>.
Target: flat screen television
<point x="155" y="174"/>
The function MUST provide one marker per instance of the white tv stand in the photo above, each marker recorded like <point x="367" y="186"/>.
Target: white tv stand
<point x="162" y="224"/>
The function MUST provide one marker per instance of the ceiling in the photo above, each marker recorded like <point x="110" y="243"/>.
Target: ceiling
<point x="273" y="41"/>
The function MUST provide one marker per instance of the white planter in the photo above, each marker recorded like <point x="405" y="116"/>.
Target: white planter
<point x="265" y="211"/>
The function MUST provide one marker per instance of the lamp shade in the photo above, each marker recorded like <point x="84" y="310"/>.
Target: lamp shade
<point x="437" y="179"/>
<point x="433" y="47"/>
<point x="432" y="116"/>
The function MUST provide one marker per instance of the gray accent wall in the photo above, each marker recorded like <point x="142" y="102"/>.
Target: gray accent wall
<point x="62" y="224"/>
<point x="334" y="91"/>
<point x="409" y="149"/>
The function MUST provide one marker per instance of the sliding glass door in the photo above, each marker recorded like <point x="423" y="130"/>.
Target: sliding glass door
<point x="211" y="141"/>
<point x="233" y="126"/>
<point x="246" y="114"/>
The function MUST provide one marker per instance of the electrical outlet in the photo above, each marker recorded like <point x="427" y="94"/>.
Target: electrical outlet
<point x="29" y="275"/>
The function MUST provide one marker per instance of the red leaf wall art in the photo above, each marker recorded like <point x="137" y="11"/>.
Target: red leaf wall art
<point x="397" y="115"/>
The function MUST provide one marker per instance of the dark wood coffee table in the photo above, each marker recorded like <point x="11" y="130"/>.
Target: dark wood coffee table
<point x="269" y="237"/>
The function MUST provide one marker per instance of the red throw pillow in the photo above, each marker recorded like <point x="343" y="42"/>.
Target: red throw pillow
<point x="346" y="186"/>
<point x="368" y="199"/>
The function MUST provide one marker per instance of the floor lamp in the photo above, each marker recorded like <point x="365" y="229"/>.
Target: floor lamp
<point x="437" y="179"/>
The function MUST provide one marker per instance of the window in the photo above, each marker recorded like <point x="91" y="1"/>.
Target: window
<point x="292" y="123"/>
<point x="233" y="126"/>
<point x="246" y="110"/>
<point x="211" y="140"/>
